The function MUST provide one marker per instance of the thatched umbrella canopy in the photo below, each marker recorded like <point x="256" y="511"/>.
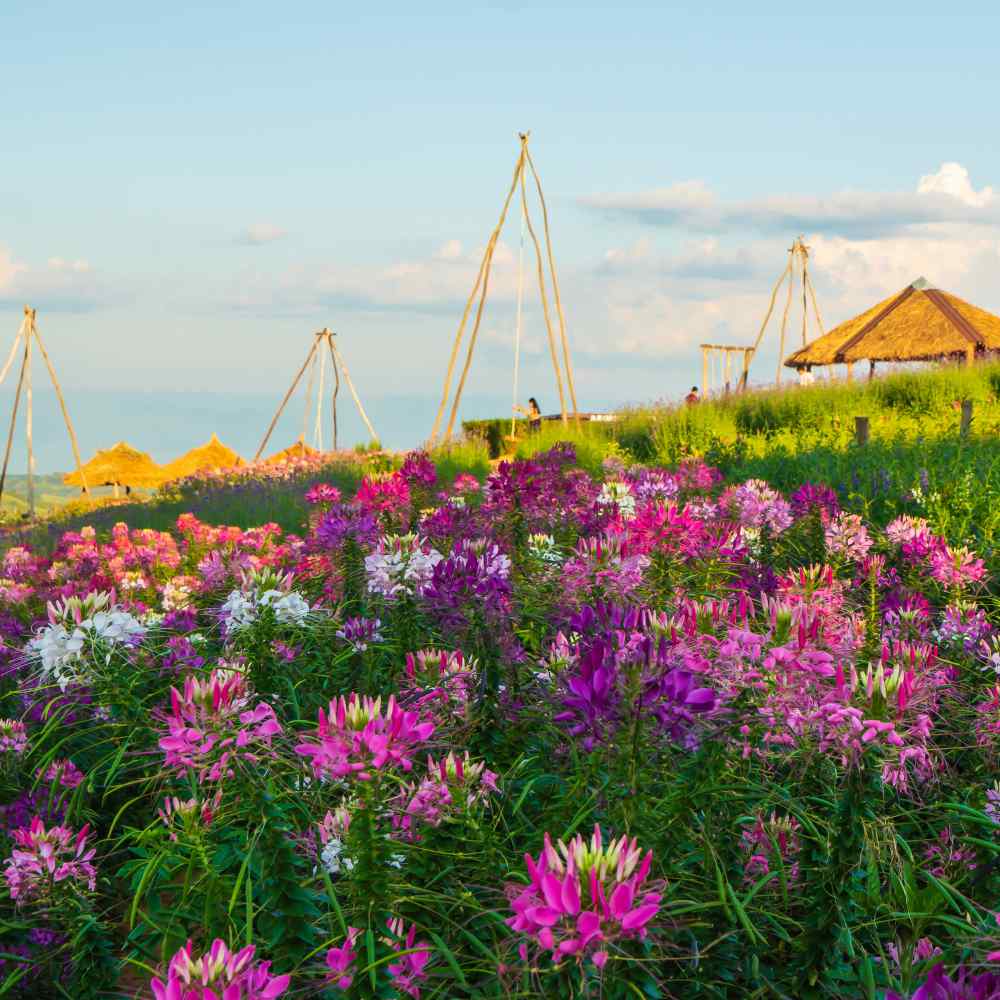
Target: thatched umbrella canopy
<point x="121" y="465"/>
<point x="298" y="450"/>
<point x="209" y="456"/>
<point x="921" y="323"/>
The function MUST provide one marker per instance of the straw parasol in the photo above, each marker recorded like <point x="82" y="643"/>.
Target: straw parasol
<point x="920" y="323"/>
<point x="121" y="465"/>
<point x="210" y="456"/>
<point x="298" y="450"/>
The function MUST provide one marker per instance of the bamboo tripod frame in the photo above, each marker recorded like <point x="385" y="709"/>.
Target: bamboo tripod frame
<point x="796" y="270"/>
<point x="27" y="335"/>
<point x="481" y="288"/>
<point x="315" y="362"/>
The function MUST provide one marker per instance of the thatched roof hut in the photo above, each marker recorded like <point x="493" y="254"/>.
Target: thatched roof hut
<point x="920" y="323"/>
<point x="298" y="450"/>
<point x="121" y="465"/>
<point x="209" y="456"/>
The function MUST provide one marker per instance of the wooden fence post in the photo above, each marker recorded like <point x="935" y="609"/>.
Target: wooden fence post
<point x="966" y="417"/>
<point x="861" y="431"/>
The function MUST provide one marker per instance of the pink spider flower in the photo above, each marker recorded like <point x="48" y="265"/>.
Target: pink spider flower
<point x="452" y="784"/>
<point x="219" y="974"/>
<point x="13" y="737"/>
<point x="356" y="737"/>
<point x="212" y="722"/>
<point x="188" y="816"/>
<point x="322" y="493"/>
<point x="408" y="972"/>
<point x="43" y="858"/>
<point x="340" y="961"/>
<point x="584" y="897"/>
<point x="846" y="536"/>
<point x="956" y="567"/>
<point x="768" y="840"/>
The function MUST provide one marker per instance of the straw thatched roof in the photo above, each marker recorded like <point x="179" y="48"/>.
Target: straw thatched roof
<point x="298" y="450"/>
<point x="121" y="465"/>
<point x="921" y="323"/>
<point x="209" y="456"/>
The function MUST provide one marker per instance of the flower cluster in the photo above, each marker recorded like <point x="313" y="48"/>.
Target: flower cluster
<point x="212" y="724"/>
<point x="43" y="859"/>
<point x="219" y="973"/>
<point x="584" y="898"/>
<point x="356" y="737"/>
<point x="76" y="626"/>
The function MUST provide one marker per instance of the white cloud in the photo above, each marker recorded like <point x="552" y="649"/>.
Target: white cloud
<point x="953" y="179"/>
<point x="260" y="233"/>
<point x="59" y="284"/>
<point x="946" y="196"/>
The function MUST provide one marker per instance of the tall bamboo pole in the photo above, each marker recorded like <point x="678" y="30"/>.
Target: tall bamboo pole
<point x="62" y="404"/>
<point x="336" y="388"/>
<point x="13" y="419"/>
<point x="13" y="347"/>
<point x="481" y="280"/>
<point x="784" y="319"/>
<point x="350" y="385"/>
<point x="555" y="281"/>
<point x="288" y="395"/>
<point x="545" y="303"/>
<point x="29" y="429"/>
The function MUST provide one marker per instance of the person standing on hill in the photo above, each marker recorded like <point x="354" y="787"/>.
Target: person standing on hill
<point x="692" y="397"/>
<point x="533" y="413"/>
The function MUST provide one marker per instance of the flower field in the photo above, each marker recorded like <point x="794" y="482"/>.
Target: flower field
<point x="609" y="731"/>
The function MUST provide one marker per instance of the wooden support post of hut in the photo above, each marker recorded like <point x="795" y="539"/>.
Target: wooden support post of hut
<point x="861" y="431"/>
<point x="966" y="422"/>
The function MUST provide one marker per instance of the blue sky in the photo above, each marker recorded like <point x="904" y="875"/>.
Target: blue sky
<point x="188" y="192"/>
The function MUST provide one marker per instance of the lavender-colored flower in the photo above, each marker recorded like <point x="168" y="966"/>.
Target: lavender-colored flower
<point x="360" y="633"/>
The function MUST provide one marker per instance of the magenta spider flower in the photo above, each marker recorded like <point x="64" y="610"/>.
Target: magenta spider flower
<point x="965" y="985"/>
<point x="43" y="858"/>
<point x="584" y="897"/>
<point x="340" y="961"/>
<point x="212" y="722"/>
<point x="356" y="737"/>
<point x="408" y="972"/>
<point x="452" y="783"/>
<point x="957" y="567"/>
<point x="219" y="974"/>
<point x="322" y="493"/>
<point x="13" y="737"/>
